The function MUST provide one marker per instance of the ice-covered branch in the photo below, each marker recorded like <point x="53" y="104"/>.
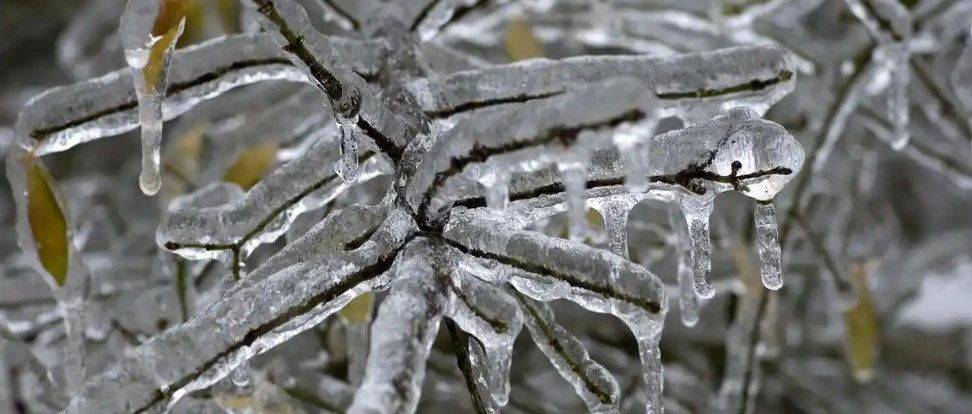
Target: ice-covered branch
<point x="247" y="321"/>
<point x="70" y="115"/>
<point x="402" y="335"/>
<point x="693" y="85"/>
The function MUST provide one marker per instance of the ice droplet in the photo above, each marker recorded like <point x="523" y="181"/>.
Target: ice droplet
<point x="697" y="210"/>
<point x="768" y="241"/>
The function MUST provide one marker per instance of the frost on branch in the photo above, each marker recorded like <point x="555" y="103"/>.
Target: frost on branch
<point x="337" y="180"/>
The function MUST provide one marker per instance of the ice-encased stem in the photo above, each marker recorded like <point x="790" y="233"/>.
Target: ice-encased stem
<point x="72" y="311"/>
<point x="696" y="210"/>
<point x="768" y="244"/>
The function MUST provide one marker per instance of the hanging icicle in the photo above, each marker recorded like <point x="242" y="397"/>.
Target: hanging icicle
<point x="697" y="210"/>
<point x="768" y="243"/>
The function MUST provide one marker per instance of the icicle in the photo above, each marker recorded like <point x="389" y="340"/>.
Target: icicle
<point x="347" y="167"/>
<point x="697" y="210"/>
<point x="688" y="302"/>
<point x="898" y="104"/>
<point x="768" y="242"/>
<point x="653" y="371"/>
<point x="148" y="54"/>
<point x="495" y="182"/>
<point x="615" y="211"/>
<point x="573" y="169"/>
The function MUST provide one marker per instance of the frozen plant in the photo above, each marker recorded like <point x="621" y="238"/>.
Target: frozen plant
<point x="364" y="172"/>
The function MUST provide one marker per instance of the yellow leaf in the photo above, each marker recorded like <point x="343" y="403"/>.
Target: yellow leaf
<point x="47" y="220"/>
<point x="167" y="28"/>
<point x="862" y="329"/>
<point x="358" y="310"/>
<point x="520" y="41"/>
<point x="251" y="164"/>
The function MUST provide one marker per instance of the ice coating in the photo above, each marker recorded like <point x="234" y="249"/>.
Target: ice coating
<point x="492" y="316"/>
<point x="198" y="353"/>
<point x="266" y="210"/>
<point x="696" y="159"/>
<point x="697" y="84"/>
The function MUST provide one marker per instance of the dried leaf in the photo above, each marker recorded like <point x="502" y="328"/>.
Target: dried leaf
<point x="862" y="329"/>
<point x="358" y="310"/>
<point x="251" y="164"/>
<point x="520" y="42"/>
<point x="47" y="220"/>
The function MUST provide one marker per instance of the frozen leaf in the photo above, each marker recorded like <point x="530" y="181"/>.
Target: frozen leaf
<point x="46" y="218"/>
